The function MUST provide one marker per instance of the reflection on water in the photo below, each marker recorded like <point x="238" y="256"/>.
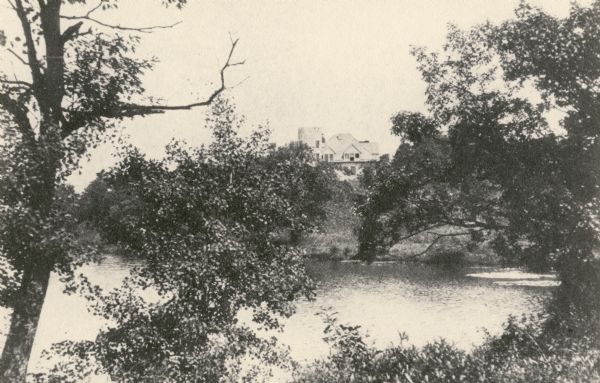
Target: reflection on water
<point x="426" y="302"/>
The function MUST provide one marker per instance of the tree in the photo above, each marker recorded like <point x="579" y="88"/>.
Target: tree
<point x="209" y="250"/>
<point x="484" y="163"/>
<point x="83" y="80"/>
<point x="111" y="209"/>
<point x="308" y="185"/>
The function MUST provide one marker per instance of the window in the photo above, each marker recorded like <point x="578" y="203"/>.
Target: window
<point x="323" y="139"/>
<point x="357" y="155"/>
<point x="331" y="157"/>
<point x="317" y="143"/>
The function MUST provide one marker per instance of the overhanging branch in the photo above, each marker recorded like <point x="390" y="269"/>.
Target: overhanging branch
<point x="78" y="120"/>
<point x="118" y="26"/>
<point x="153" y="109"/>
<point x="439" y="236"/>
<point x="19" y="83"/>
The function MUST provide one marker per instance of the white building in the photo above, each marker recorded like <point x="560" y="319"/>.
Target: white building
<point x="342" y="148"/>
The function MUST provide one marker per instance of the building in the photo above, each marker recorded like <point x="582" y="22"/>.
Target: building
<point x="341" y="149"/>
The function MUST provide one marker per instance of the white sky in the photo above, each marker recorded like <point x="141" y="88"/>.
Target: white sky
<point x="342" y="65"/>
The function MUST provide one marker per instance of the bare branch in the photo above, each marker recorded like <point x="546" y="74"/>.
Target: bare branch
<point x="118" y="26"/>
<point x="240" y="82"/>
<point x="417" y="232"/>
<point x="149" y="109"/>
<point x="438" y="237"/>
<point x="21" y="59"/>
<point x="94" y="9"/>
<point x="16" y="82"/>
<point x="78" y="120"/>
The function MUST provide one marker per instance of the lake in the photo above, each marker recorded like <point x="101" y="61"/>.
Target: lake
<point x="424" y="301"/>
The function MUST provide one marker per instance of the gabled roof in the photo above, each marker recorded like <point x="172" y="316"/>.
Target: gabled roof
<point x="370" y="147"/>
<point x="339" y="142"/>
<point x="357" y="147"/>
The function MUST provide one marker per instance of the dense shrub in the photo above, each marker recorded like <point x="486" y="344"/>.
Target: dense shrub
<point x="524" y="352"/>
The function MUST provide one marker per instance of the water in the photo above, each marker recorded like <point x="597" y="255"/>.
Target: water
<point x="425" y="302"/>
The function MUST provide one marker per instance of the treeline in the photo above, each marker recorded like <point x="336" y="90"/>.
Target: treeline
<point x="117" y="202"/>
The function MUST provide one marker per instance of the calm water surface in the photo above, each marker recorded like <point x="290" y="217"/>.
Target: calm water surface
<point x="425" y="302"/>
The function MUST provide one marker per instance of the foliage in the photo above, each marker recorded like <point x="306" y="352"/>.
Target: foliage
<point x="80" y="77"/>
<point x="519" y="354"/>
<point x="337" y="231"/>
<point x="484" y="161"/>
<point x="112" y="206"/>
<point x="110" y="210"/>
<point x="205" y="230"/>
<point x="308" y="186"/>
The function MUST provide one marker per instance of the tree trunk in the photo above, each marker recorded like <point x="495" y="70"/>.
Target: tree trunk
<point x="24" y="323"/>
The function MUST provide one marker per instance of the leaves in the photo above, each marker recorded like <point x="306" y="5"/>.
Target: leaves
<point x="521" y="353"/>
<point x="205" y="222"/>
<point x="485" y="159"/>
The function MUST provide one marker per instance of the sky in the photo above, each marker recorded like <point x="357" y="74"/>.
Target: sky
<point x="342" y="65"/>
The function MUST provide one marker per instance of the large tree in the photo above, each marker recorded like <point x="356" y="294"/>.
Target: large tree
<point x="83" y="78"/>
<point x="484" y="163"/>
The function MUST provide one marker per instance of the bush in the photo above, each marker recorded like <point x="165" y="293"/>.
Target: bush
<point x="446" y="258"/>
<point x="334" y="251"/>
<point x="346" y="252"/>
<point x="522" y="353"/>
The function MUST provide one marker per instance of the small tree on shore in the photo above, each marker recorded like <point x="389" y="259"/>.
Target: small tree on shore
<point x="308" y="185"/>
<point x="205" y="232"/>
